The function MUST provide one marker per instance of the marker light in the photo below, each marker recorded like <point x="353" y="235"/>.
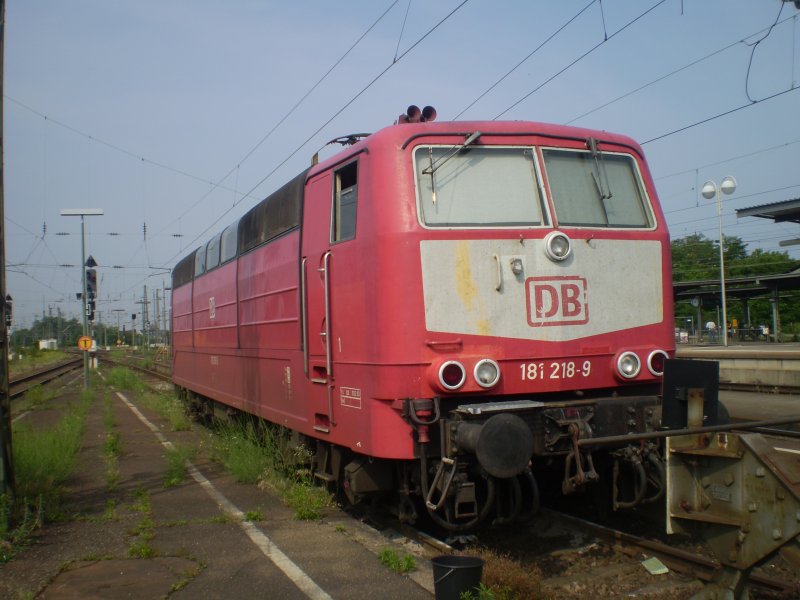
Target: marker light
<point x="656" y="361"/>
<point x="452" y="375"/>
<point x="628" y="365"/>
<point x="487" y="373"/>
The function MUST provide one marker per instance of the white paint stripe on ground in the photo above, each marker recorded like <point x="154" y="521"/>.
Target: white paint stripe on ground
<point x="792" y="450"/>
<point x="21" y="415"/>
<point x="258" y="537"/>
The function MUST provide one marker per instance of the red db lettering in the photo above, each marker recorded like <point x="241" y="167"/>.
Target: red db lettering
<point x="557" y="301"/>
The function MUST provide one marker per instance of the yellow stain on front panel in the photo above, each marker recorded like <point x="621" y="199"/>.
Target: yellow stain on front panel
<point x="465" y="284"/>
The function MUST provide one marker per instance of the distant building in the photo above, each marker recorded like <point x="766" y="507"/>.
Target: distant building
<point x="51" y="344"/>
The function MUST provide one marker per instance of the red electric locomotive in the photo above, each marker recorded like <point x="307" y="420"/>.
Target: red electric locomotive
<point x="440" y="308"/>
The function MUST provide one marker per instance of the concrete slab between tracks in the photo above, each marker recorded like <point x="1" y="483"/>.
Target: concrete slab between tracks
<point x="764" y="366"/>
<point x="130" y="536"/>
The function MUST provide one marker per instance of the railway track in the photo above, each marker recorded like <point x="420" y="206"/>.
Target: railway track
<point x="682" y="561"/>
<point x="163" y="374"/>
<point x="19" y="385"/>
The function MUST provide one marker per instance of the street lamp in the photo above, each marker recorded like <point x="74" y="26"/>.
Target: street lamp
<point x="118" y="311"/>
<point x="710" y="189"/>
<point x="83" y="212"/>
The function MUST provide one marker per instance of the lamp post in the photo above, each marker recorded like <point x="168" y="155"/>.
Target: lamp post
<point x="710" y="189"/>
<point x="83" y="212"/>
<point x="118" y="311"/>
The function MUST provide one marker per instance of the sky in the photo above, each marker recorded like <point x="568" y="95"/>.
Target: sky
<point x="176" y="116"/>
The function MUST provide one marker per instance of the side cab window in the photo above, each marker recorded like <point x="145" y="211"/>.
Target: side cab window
<point x="200" y="261"/>
<point x="345" y="201"/>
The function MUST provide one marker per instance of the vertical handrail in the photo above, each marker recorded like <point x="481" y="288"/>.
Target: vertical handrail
<point x="326" y="261"/>
<point x="304" y="315"/>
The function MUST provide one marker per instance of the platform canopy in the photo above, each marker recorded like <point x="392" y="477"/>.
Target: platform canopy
<point x="787" y="211"/>
<point x="780" y="212"/>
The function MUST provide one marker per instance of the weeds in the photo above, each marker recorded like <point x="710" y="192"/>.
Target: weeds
<point x="145" y="530"/>
<point x="44" y="459"/>
<point x="253" y="516"/>
<point x="394" y="562"/>
<point x="187" y="576"/>
<point x="112" y="447"/>
<point x="240" y="452"/>
<point x="13" y="539"/>
<point x="266" y="455"/>
<point x="176" y="465"/>
<point x="124" y="379"/>
<point x="170" y="408"/>
<point x="307" y="500"/>
<point x="35" y="396"/>
<point x="505" y="579"/>
<point x="483" y="593"/>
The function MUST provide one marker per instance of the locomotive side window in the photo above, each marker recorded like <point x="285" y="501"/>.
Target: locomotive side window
<point x="273" y="216"/>
<point x="345" y="200"/>
<point x="228" y="243"/>
<point x="596" y="191"/>
<point x="478" y="187"/>
<point x="212" y="253"/>
<point x="183" y="271"/>
<point x="200" y="261"/>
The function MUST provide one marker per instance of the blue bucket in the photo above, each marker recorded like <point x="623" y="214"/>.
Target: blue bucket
<point x="454" y="575"/>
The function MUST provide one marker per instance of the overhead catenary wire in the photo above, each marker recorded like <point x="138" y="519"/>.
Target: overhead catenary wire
<point x="525" y="59"/>
<point x="325" y="124"/>
<point x="283" y="119"/>
<point x="581" y="57"/>
<point x="717" y="116"/>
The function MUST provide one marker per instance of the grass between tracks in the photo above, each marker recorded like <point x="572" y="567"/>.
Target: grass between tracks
<point x="43" y="461"/>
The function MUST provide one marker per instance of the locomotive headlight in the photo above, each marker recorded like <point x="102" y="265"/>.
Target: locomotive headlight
<point x="557" y="246"/>
<point x="656" y="361"/>
<point x="452" y="375"/>
<point x="628" y="365"/>
<point x="487" y="373"/>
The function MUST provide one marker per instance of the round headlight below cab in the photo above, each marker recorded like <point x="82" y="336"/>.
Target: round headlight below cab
<point x="656" y="362"/>
<point x="628" y="365"/>
<point x="487" y="373"/>
<point x="452" y="375"/>
<point x="557" y="246"/>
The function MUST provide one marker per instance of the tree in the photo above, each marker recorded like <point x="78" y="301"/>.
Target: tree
<point x="696" y="258"/>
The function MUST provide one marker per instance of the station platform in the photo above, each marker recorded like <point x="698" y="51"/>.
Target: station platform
<point x="763" y="367"/>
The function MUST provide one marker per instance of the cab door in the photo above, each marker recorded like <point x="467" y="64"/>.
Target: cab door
<point x="328" y="218"/>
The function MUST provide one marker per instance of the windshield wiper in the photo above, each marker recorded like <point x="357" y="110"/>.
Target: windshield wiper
<point x="599" y="174"/>
<point x="434" y="166"/>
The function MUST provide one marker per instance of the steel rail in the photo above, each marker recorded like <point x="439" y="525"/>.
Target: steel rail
<point x="18" y="388"/>
<point x="683" y="561"/>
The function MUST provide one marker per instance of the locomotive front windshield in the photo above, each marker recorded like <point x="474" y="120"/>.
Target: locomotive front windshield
<point x="463" y="187"/>
<point x="490" y="186"/>
<point x="600" y="190"/>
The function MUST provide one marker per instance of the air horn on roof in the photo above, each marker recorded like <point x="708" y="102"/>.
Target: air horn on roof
<point x="414" y="115"/>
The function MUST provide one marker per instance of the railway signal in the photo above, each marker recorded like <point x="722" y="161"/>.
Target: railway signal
<point x="91" y="282"/>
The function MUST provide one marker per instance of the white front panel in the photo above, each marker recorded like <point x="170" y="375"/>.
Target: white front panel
<point x="604" y="286"/>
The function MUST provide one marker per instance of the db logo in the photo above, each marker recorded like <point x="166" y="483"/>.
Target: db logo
<point x="556" y="301"/>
